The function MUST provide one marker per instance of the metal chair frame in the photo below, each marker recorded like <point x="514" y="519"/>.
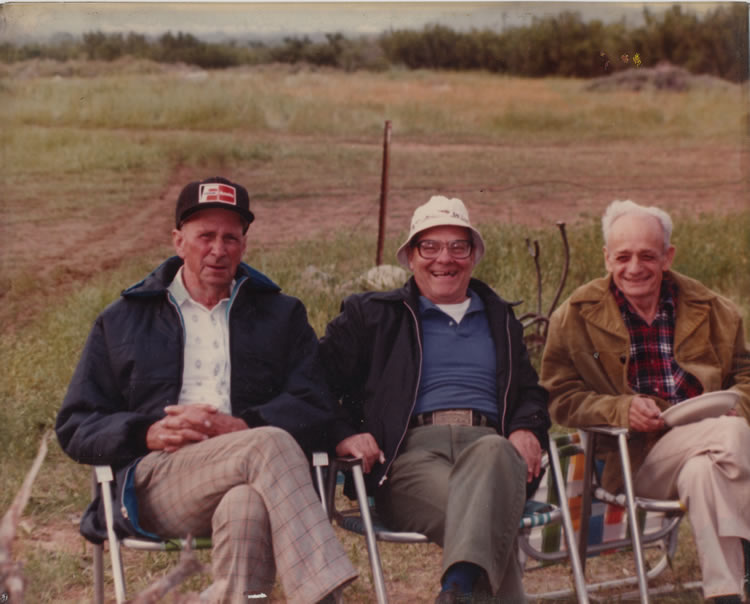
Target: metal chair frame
<point x="361" y="520"/>
<point x="102" y="479"/>
<point x="665" y="537"/>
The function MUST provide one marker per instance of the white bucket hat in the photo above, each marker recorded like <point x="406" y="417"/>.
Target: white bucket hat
<point x="440" y="211"/>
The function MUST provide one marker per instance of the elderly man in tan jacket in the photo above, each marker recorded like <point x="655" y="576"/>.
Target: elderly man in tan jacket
<point x="624" y="348"/>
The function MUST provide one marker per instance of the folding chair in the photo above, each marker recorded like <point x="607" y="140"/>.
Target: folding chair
<point x="102" y="479"/>
<point x="364" y="521"/>
<point x="642" y="534"/>
<point x="601" y="521"/>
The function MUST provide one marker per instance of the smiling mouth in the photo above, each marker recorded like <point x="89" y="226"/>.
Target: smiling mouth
<point x="444" y="274"/>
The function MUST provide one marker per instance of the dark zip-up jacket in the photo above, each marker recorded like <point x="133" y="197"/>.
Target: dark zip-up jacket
<point x="372" y="355"/>
<point x="131" y="368"/>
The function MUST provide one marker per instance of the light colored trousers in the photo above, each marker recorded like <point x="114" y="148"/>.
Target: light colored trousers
<point x="252" y="492"/>
<point x="465" y="488"/>
<point x="706" y="465"/>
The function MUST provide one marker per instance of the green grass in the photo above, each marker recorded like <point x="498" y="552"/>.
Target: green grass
<point x="324" y="103"/>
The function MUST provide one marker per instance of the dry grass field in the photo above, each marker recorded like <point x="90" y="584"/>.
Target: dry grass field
<point x="93" y="156"/>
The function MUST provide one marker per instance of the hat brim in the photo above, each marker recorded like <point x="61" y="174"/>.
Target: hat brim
<point x="402" y="255"/>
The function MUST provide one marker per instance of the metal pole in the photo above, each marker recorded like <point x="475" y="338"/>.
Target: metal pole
<point x="383" y="192"/>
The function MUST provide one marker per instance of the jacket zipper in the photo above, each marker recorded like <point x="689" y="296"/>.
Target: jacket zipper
<point x="232" y="298"/>
<point x="510" y="373"/>
<point x="414" y="399"/>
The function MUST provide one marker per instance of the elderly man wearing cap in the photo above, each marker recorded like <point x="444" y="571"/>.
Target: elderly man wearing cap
<point x="442" y="404"/>
<point x="193" y="386"/>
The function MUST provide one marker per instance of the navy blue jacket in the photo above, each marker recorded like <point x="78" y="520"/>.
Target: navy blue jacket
<point x="372" y="354"/>
<point x="131" y="368"/>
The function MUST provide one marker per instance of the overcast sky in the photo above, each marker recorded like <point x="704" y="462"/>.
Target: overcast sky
<point x="248" y="20"/>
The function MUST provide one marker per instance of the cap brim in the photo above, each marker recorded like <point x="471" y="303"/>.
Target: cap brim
<point x="247" y="215"/>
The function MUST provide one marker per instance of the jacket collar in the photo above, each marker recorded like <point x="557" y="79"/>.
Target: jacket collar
<point x="409" y="293"/>
<point x="598" y="305"/>
<point x="157" y="282"/>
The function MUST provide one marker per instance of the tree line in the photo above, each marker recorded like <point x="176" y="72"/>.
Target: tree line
<point x="563" y="45"/>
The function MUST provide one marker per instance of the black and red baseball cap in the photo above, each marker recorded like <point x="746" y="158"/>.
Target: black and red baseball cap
<point x="216" y="192"/>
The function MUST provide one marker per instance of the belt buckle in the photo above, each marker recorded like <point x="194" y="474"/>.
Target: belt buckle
<point x="452" y="417"/>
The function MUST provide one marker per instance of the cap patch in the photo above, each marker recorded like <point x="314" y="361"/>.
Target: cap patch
<point x="217" y="192"/>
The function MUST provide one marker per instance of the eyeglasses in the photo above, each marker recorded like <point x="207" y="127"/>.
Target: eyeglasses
<point x="430" y="249"/>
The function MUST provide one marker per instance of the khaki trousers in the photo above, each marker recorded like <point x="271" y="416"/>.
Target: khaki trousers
<point x="465" y="488"/>
<point x="706" y="465"/>
<point x="252" y="492"/>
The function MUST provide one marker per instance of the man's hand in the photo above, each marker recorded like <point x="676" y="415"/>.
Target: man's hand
<point x="362" y="446"/>
<point x="528" y="446"/>
<point x="185" y="424"/>
<point x="644" y="415"/>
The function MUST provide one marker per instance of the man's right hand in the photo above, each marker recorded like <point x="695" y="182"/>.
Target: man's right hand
<point x="644" y="415"/>
<point x="362" y="446"/>
<point x="183" y="424"/>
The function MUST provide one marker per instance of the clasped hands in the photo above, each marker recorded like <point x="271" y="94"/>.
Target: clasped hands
<point x="186" y="424"/>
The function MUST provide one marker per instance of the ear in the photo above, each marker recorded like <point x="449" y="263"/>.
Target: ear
<point x="668" y="258"/>
<point x="409" y="255"/>
<point x="178" y="240"/>
<point x="606" y="259"/>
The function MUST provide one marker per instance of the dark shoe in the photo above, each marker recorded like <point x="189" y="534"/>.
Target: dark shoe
<point x="452" y="596"/>
<point x="333" y="598"/>
<point x="730" y="599"/>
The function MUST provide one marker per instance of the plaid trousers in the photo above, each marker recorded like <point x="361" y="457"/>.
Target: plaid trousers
<point x="251" y="491"/>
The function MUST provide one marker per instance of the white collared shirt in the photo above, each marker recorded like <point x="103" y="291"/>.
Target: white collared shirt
<point x="206" y="369"/>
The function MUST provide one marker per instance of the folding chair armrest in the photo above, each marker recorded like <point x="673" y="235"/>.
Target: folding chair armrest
<point x="345" y="463"/>
<point x="613" y="431"/>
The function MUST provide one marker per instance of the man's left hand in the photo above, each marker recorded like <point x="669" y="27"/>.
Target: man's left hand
<point x="528" y="446"/>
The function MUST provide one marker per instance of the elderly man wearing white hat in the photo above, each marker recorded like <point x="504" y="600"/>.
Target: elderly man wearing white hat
<point x="442" y="404"/>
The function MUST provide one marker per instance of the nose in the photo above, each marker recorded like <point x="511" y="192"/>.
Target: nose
<point x="218" y="247"/>
<point x="634" y="264"/>
<point x="444" y="255"/>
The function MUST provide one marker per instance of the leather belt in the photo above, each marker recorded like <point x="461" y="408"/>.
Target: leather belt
<point x="452" y="417"/>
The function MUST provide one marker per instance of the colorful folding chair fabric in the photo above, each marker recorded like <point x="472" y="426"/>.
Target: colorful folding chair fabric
<point x="608" y="526"/>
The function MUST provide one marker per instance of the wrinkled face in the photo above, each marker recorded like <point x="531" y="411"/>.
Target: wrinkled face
<point x="444" y="279"/>
<point x="636" y="257"/>
<point x="212" y="244"/>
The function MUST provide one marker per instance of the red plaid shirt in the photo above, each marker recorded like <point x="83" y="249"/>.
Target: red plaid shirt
<point x="653" y="370"/>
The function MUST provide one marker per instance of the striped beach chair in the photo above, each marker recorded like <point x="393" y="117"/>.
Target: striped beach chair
<point x="602" y="521"/>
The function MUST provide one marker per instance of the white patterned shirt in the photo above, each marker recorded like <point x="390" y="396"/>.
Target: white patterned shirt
<point x="206" y="369"/>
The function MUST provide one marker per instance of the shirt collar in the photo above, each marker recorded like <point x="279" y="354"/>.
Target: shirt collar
<point x="667" y="295"/>
<point x="181" y="294"/>
<point x="475" y="305"/>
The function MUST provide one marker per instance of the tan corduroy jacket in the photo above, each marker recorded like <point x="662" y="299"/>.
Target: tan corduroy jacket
<point x="585" y="361"/>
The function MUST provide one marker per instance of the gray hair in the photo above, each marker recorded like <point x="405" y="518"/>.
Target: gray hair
<point x="617" y="209"/>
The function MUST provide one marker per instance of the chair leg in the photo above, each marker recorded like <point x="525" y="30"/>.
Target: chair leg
<point x="104" y="475"/>
<point x="573" y="552"/>
<point x="372" y="545"/>
<point x="98" y="574"/>
<point x="98" y="553"/>
<point x="635" y="533"/>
